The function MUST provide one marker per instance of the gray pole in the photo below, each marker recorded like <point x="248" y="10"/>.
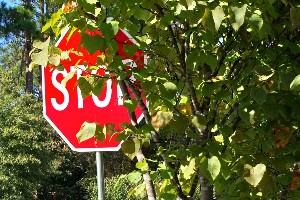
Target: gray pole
<point x="100" y="175"/>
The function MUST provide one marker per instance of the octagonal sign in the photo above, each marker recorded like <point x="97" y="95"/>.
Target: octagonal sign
<point x="66" y="110"/>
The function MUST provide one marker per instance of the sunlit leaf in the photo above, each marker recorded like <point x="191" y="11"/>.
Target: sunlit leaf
<point x="134" y="177"/>
<point x="253" y="175"/>
<point x="295" y="84"/>
<point x="214" y="167"/>
<point x="67" y="78"/>
<point x="41" y="45"/>
<point x="188" y="170"/>
<point x="143" y="165"/>
<point x="130" y="105"/>
<point x="131" y="147"/>
<point x="238" y="17"/>
<point x="199" y="121"/>
<point x="160" y="119"/>
<point x="218" y="16"/>
<point x="87" y="131"/>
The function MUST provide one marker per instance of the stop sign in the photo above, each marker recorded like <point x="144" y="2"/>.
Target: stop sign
<point x="66" y="110"/>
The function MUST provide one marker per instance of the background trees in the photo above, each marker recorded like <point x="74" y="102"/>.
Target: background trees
<point x="34" y="161"/>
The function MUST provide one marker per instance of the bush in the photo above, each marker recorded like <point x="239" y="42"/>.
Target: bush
<point x="116" y="188"/>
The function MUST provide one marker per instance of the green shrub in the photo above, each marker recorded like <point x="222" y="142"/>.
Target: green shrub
<point x="115" y="188"/>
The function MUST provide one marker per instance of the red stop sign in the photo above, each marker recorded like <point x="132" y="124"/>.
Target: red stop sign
<point x="66" y="110"/>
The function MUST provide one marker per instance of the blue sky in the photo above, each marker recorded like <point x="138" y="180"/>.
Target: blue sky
<point x="10" y="2"/>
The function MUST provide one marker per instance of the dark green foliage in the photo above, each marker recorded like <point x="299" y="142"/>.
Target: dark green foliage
<point x="16" y="21"/>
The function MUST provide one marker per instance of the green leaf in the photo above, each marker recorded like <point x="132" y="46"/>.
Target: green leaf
<point x="41" y="45"/>
<point x="199" y="121"/>
<point x="179" y="123"/>
<point x="208" y="21"/>
<point x="47" y="26"/>
<point x="79" y="23"/>
<point x="284" y="179"/>
<point x="239" y="16"/>
<point x="170" y="90"/>
<point x="295" y="84"/>
<point x="134" y="177"/>
<point x="142" y="14"/>
<point x="295" y="16"/>
<point x="54" y="19"/>
<point x="54" y="60"/>
<point x="253" y="175"/>
<point x="142" y="165"/>
<point x="85" y="87"/>
<point x="87" y="131"/>
<point x="93" y="43"/>
<point x="167" y="174"/>
<point x="259" y="95"/>
<point x="99" y="134"/>
<point x="130" y="50"/>
<point x="97" y="89"/>
<point x="188" y="170"/>
<point x="267" y="184"/>
<point x="92" y="1"/>
<point x="214" y="167"/>
<point x="109" y="129"/>
<point x="218" y="16"/>
<point x="109" y="29"/>
<point x="106" y="2"/>
<point x="40" y="58"/>
<point x="167" y="196"/>
<point x="256" y="21"/>
<point x="131" y="147"/>
<point x="130" y="105"/>
<point x="192" y="60"/>
<point x="167" y="19"/>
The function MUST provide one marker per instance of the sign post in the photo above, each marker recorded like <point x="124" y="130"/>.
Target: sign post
<point x="66" y="110"/>
<point x="100" y="175"/>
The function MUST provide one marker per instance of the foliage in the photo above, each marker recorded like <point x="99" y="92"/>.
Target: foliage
<point x="115" y="188"/>
<point x="34" y="161"/>
<point x="223" y="106"/>
<point x="16" y="20"/>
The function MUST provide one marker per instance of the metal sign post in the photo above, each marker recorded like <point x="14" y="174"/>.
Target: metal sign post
<point x="100" y="175"/>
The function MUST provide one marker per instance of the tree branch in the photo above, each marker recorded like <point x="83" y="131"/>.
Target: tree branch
<point x="226" y="117"/>
<point x="140" y="156"/>
<point x="138" y="97"/>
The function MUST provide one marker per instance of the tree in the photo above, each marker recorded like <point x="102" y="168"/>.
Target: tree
<point x="222" y="88"/>
<point x="34" y="162"/>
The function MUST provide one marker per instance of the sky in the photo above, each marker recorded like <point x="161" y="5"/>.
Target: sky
<point x="10" y="2"/>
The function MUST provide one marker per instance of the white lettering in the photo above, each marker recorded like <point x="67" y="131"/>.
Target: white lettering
<point x="62" y="89"/>
<point x="99" y="103"/>
<point x="105" y="102"/>
<point x="79" y="95"/>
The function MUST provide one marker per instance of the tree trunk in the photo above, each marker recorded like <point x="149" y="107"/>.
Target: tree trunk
<point x="147" y="179"/>
<point x="206" y="190"/>
<point x="42" y="21"/>
<point x="27" y="59"/>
